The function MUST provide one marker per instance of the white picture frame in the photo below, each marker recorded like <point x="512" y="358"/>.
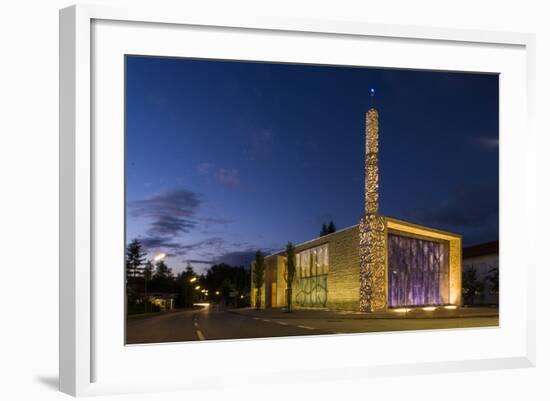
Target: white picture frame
<point x="84" y="351"/>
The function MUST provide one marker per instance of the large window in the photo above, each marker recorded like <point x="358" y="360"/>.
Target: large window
<point x="312" y="271"/>
<point x="418" y="271"/>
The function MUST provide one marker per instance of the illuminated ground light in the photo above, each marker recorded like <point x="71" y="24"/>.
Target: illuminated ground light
<point x="402" y="310"/>
<point x="450" y="306"/>
<point x="429" y="308"/>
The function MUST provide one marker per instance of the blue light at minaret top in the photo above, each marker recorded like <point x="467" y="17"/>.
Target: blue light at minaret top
<point x="372" y="92"/>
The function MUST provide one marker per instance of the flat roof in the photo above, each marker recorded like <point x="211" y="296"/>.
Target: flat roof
<point x="391" y="219"/>
<point x="487" y="248"/>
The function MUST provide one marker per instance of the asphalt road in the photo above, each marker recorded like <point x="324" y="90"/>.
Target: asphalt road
<point x="211" y="323"/>
<point x="208" y="323"/>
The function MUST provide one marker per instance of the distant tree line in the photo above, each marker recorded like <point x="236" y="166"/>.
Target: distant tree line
<point x="327" y="229"/>
<point x="473" y="287"/>
<point x="147" y="279"/>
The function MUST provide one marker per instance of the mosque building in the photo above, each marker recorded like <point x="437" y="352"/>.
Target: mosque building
<point x="380" y="264"/>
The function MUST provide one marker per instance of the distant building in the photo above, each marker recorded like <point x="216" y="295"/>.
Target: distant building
<point x="380" y="264"/>
<point x="484" y="259"/>
<point x="164" y="301"/>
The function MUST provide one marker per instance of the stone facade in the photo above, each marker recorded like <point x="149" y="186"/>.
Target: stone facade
<point x="343" y="292"/>
<point x="372" y="229"/>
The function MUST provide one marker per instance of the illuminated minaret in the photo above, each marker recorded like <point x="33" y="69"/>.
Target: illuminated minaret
<point x="372" y="228"/>
<point x="371" y="162"/>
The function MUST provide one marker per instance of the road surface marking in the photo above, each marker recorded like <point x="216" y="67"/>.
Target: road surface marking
<point x="306" y="327"/>
<point x="283" y="323"/>
<point x="200" y="335"/>
<point x="267" y="320"/>
<point x="256" y="318"/>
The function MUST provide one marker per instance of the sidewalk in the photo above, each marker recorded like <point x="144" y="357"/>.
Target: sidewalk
<point x="440" y="313"/>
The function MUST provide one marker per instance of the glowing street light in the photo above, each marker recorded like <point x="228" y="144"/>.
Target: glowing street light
<point x="193" y="280"/>
<point x="198" y="287"/>
<point x="159" y="257"/>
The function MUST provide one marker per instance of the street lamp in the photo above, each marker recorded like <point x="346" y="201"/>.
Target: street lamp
<point x="193" y="280"/>
<point x="159" y="257"/>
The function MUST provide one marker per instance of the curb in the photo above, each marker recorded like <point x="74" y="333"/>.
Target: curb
<point x="366" y="317"/>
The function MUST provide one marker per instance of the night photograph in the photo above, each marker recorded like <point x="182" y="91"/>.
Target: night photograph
<point x="275" y="200"/>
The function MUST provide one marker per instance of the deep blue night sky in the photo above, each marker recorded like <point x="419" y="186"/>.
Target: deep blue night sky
<point x="223" y="158"/>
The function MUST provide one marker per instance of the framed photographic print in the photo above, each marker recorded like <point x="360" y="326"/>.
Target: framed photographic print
<point x="352" y="197"/>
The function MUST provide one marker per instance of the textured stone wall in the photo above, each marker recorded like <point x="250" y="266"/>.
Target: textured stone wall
<point x="343" y="276"/>
<point x="371" y="162"/>
<point x="344" y="265"/>
<point x="281" y="283"/>
<point x="372" y="229"/>
<point x="455" y="271"/>
<point x="373" y="263"/>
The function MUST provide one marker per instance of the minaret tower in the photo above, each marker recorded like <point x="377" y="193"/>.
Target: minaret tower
<point x="372" y="228"/>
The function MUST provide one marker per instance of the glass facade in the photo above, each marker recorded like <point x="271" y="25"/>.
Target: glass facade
<point x="418" y="271"/>
<point x="312" y="266"/>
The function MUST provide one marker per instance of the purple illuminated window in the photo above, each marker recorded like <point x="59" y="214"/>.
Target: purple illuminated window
<point x="418" y="271"/>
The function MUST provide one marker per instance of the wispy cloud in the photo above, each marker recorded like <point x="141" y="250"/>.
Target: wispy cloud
<point x="214" y="243"/>
<point x="152" y="243"/>
<point x="205" y="168"/>
<point x="215" y="220"/>
<point x="217" y="250"/>
<point x="238" y="258"/>
<point x="229" y="177"/>
<point x="172" y="212"/>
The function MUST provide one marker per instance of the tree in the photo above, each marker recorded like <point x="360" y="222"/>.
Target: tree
<point x="324" y="229"/>
<point x="185" y="288"/>
<point x="492" y="278"/>
<point x="327" y="229"/>
<point x="148" y="271"/>
<point x="147" y="276"/>
<point x="134" y="258"/>
<point x="163" y="271"/>
<point x="163" y="278"/>
<point x="471" y="286"/>
<point x="258" y="276"/>
<point x="290" y="272"/>
<point x="226" y="280"/>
